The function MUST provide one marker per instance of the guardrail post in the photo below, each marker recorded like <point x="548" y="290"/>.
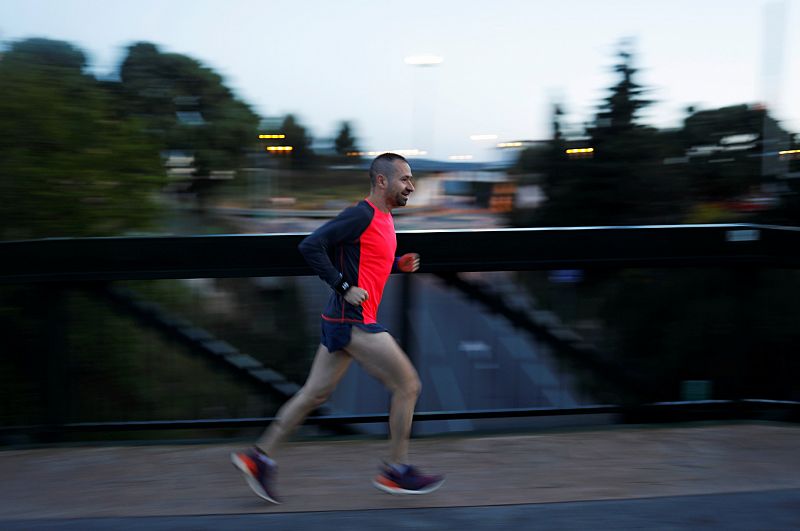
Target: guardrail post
<point x="56" y="356"/>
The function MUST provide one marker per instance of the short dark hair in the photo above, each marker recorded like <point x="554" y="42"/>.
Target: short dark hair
<point x="382" y="164"/>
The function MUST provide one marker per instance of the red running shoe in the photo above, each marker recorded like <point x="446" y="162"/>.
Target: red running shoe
<point x="259" y="471"/>
<point x="405" y="479"/>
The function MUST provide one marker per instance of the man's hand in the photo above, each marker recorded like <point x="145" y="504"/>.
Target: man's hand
<point x="356" y="296"/>
<point x="408" y="263"/>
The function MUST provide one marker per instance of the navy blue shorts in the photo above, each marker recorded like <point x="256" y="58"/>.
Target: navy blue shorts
<point x="336" y="336"/>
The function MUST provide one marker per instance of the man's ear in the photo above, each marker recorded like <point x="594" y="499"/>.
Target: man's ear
<point x="381" y="180"/>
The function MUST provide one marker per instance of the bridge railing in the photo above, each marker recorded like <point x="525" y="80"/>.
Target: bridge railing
<point x="57" y="264"/>
<point x="158" y="257"/>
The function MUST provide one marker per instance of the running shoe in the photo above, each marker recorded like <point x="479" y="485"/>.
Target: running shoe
<point x="405" y="479"/>
<point x="259" y="471"/>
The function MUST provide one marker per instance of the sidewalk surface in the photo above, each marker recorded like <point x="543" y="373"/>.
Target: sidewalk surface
<point x="650" y="471"/>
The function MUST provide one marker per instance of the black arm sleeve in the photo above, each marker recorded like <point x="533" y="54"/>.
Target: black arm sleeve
<point x="316" y="247"/>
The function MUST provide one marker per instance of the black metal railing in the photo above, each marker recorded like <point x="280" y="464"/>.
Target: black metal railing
<point x="158" y="257"/>
<point x="88" y="261"/>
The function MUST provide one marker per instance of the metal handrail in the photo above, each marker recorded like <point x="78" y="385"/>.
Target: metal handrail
<point x="79" y="260"/>
<point x="156" y="257"/>
<point x="744" y="409"/>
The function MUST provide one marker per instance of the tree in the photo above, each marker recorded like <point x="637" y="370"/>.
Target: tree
<point x="187" y="107"/>
<point x="626" y="164"/>
<point x="69" y="166"/>
<point x="620" y="111"/>
<point x="301" y="155"/>
<point x="345" y="142"/>
<point x="623" y="179"/>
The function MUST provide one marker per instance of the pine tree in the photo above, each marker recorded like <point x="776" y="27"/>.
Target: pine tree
<point x="345" y="142"/>
<point x="623" y="180"/>
<point x="620" y="111"/>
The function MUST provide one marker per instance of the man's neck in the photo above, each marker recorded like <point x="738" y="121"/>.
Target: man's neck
<point x="380" y="203"/>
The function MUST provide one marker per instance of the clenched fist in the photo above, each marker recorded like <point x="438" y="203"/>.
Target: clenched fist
<point x="408" y="263"/>
<point x="356" y="296"/>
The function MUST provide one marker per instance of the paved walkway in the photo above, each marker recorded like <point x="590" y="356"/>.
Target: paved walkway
<point x="644" y="470"/>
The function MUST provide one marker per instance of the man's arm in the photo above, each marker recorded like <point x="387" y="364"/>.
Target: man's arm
<point x="315" y="248"/>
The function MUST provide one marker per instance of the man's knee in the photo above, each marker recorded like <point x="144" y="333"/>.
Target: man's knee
<point x="412" y="386"/>
<point x="417" y="388"/>
<point x="316" y="397"/>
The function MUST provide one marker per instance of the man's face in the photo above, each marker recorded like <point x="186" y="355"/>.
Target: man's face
<point x="400" y="184"/>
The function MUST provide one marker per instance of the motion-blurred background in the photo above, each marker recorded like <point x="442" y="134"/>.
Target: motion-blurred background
<point x="212" y="117"/>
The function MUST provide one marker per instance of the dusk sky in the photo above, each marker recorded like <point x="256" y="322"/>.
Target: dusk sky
<point x="504" y="63"/>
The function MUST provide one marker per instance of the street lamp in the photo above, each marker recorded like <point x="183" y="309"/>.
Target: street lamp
<point x="427" y="144"/>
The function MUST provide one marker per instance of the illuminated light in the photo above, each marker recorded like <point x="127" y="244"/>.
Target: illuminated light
<point x="271" y="136"/>
<point x="509" y="144"/>
<point x="460" y="157"/>
<point x="579" y="150"/>
<point x="789" y="152"/>
<point x="403" y="152"/>
<point x="424" y="60"/>
<point x="279" y="148"/>
<point x="483" y="137"/>
<point x="411" y="152"/>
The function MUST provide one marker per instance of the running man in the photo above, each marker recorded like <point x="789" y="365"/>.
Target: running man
<point x="354" y="254"/>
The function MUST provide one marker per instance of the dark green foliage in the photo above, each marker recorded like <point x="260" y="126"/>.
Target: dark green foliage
<point x="109" y="367"/>
<point x="640" y="175"/>
<point x="733" y="328"/>
<point x="301" y="155"/>
<point x="345" y="142"/>
<point x="69" y="165"/>
<point x="186" y="106"/>
<point x="623" y="181"/>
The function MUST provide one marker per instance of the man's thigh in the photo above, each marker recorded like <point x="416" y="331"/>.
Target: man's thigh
<point x="327" y="370"/>
<point x="381" y="356"/>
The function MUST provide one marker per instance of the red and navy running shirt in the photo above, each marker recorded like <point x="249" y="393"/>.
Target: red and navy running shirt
<point x="357" y="246"/>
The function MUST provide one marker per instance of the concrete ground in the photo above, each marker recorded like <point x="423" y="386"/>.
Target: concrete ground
<point x="726" y="476"/>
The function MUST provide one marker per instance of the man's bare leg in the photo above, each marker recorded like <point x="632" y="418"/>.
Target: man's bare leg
<point x="382" y="358"/>
<point x="327" y="370"/>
